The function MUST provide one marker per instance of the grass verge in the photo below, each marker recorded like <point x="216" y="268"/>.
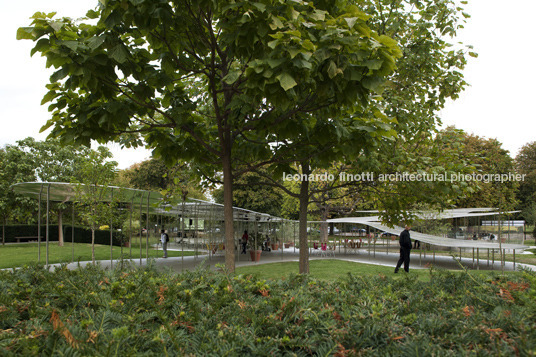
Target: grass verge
<point x="17" y="255"/>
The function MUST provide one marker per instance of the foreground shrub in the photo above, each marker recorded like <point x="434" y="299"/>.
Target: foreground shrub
<point x="91" y="311"/>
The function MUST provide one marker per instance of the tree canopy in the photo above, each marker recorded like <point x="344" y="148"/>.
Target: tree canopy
<point x="210" y="81"/>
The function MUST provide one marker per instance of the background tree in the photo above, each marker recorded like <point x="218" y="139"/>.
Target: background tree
<point x="95" y="205"/>
<point x="54" y="162"/>
<point x="526" y="165"/>
<point x="208" y="81"/>
<point x="180" y="180"/>
<point x="489" y="157"/>
<point x="251" y="192"/>
<point x="15" y="166"/>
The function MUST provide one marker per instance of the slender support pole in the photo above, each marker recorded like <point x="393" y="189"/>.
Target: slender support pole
<point x="477" y="259"/>
<point x="503" y="260"/>
<point x="39" y="227"/>
<point x="72" y="235"/>
<point x="47" y="229"/>
<point x="492" y="258"/>
<point x="514" y="259"/>
<point x="111" y="230"/>
<point x="183" y="235"/>
<point x="141" y="230"/>
<point x="147" y="231"/>
<point x="130" y="227"/>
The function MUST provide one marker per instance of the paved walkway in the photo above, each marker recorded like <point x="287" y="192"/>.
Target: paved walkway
<point x="418" y="261"/>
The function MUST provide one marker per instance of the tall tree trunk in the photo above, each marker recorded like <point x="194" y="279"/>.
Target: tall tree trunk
<point x="304" y="203"/>
<point x="60" y="228"/>
<point x="228" y="211"/>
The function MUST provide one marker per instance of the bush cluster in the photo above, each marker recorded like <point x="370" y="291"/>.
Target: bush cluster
<point x="132" y="311"/>
<point x="81" y="235"/>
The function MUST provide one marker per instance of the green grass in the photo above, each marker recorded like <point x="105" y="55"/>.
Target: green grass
<point x="327" y="270"/>
<point x="331" y="270"/>
<point x="17" y="255"/>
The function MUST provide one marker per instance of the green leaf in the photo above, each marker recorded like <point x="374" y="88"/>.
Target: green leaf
<point x="56" y="25"/>
<point x="273" y="44"/>
<point x="473" y="54"/>
<point x="286" y="81"/>
<point x="232" y="76"/>
<point x="333" y="70"/>
<point x="374" y="64"/>
<point x="276" y="23"/>
<point x="260" y="6"/>
<point x="25" y="33"/>
<point x="319" y="15"/>
<point x="275" y="62"/>
<point x="59" y="74"/>
<point x="293" y="52"/>
<point x="350" y="21"/>
<point x="118" y="53"/>
<point x="373" y="83"/>
<point x="95" y="42"/>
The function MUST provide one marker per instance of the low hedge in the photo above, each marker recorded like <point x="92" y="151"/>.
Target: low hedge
<point x="81" y="235"/>
<point x="130" y="312"/>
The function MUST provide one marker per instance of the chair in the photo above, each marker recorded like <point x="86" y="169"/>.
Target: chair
<point x="323" y="249"/>
<point x="331" y="250"/>
<point x="315" y="248"/>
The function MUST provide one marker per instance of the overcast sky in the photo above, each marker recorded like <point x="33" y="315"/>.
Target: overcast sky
<point x="498" y="104"/>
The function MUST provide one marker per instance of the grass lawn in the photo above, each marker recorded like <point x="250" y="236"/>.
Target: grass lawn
<point x="328" y="269"/>
<point x="333" y="269"/>
<point x="16" y="255"/>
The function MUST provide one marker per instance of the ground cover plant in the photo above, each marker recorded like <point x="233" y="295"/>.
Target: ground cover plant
<point x="91" y="311"/>
<point x="17" y="255"/>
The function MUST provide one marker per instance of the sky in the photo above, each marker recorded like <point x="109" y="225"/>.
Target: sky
<point x="498" y="104"/>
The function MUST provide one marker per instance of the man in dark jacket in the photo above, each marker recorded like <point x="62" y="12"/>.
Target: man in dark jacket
<point x="405" y="250"/>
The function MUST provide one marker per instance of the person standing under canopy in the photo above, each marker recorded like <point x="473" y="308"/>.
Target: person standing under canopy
<point x="405" y="249"/>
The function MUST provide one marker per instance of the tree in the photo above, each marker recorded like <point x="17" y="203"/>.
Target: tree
<point x="489" y="158"/>
<point x="526" y="165"/>
<point x="208" y="81"/>
<point x="154" y="174"/>
<point x="54" y="162"/>
<point x="93" y="196"/>
<point x="428" y="73"/>
<point x="15" y="166"/>
<point x="251" y="192"/>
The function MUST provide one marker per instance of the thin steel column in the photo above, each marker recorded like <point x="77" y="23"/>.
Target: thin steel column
<point x="130" y="227"/>
<point x="182" y="236"/>
<point x="111" y="230"/>
<point x="39" y="226"/>
<point x="72" y="235"/>
<point x="141" y="230"/>
<point x="47" y="230"/>
<point x="147" y="231"/>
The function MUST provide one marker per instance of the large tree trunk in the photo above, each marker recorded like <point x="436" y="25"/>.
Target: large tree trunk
<point x="60" y="228"/>
<point x="304" y="203"/>
<point x="228" y="212"/>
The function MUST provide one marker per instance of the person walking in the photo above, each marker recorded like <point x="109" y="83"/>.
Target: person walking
<point x="245" y="238"/>
<point x="164" y="239"/>
<point x="405" y="249"/>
